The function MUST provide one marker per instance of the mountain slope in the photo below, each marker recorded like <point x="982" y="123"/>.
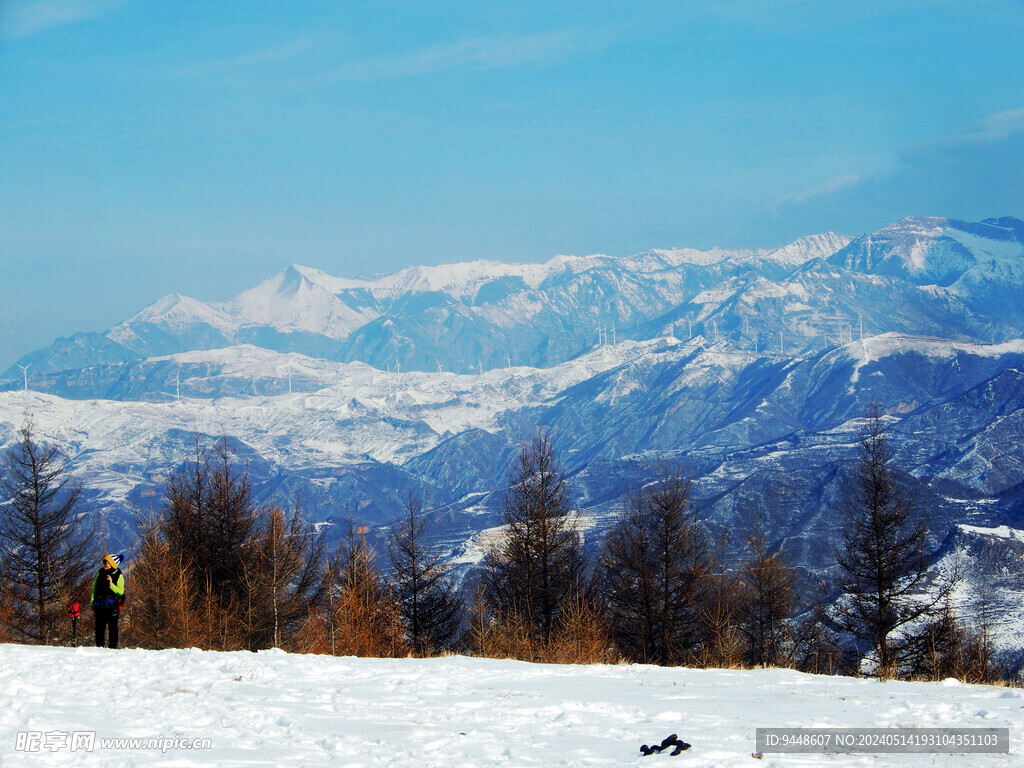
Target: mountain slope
<point x="734" y="418"/>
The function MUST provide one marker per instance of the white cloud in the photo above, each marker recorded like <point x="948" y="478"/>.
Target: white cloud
<point x="21" y="18"/>
<point x="973" y="173"/>
<point x="269" y="55"/>
<point x="990" y="129"/>
<point x="826" y="187"/>
<point x="994" y="127"/>
<point x="479" y="53"/>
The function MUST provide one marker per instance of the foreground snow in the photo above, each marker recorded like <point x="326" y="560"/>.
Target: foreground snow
<point x="274" y="709"/>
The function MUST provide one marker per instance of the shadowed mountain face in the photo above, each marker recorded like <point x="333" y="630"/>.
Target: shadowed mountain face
<point x="753" y="369"/>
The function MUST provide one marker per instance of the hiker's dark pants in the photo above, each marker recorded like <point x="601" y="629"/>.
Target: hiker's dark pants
<point x="106" y="621"/>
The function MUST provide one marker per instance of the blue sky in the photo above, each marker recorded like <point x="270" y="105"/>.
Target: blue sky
<point x="149" y="147"/>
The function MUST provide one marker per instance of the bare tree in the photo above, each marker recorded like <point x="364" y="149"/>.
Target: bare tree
<point x="540" y="566"/>
<point x="653" y="573"/>
<point x="45" y="547"/>
<point x="285" y="581"/>
<point x="6" y="614"/>
<point x="882" y="558"/>
<point x="947" y="647"/>
<point x="163" y="606"/>
<point x="366" y="620"/>
<point x="984" y="613"/>
<point x="428" y="596"/>
<point x="209" y="519"/>
<point x="231" y="574"/>
<point x="770" y="597"/>
<point x="721" y="642"/>
<point x="816" y="646"/>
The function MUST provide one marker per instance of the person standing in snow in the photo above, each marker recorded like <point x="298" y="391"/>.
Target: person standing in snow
<point x="107" y="591"/>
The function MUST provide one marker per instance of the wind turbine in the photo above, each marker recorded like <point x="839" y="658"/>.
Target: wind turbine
<point x="24" y="370"/>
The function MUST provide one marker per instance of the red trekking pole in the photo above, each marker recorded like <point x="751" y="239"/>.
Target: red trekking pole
<point x="74" y="613"/>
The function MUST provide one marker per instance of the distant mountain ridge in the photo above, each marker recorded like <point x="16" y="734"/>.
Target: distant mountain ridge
<point x="918" y="276"/>
<point x="475" y="312"/>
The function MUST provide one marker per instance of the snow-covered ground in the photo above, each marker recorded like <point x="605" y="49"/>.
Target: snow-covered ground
<point x="276" y="709"/>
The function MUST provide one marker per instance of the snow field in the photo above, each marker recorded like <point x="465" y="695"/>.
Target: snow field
<point x="278" y="709"/>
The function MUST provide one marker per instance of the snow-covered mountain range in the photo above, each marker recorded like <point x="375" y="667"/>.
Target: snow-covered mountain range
<point x="918" y="276"/>
<point x="461" y="317"/>
<point x="753" y="368"/>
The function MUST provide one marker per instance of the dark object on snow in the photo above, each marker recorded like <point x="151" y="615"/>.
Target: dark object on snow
<point x="680" y="746"/>
<point x="669" y="741"/>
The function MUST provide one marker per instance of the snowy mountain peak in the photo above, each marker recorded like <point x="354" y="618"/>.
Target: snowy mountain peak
<point x="796" y="253"/>
<point x="460" y="280"/>
<point x="296" y="274"/>
<point x="176" y="308"/>
<point x="679" y="256"/>
<point x="173" y="313"/>
<point x="575" y="264"/>
<point x="301" y="299"/>
<point x="173" y="316"/>
<point x="811" y="247"/>
<point x="930" y="251"/>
